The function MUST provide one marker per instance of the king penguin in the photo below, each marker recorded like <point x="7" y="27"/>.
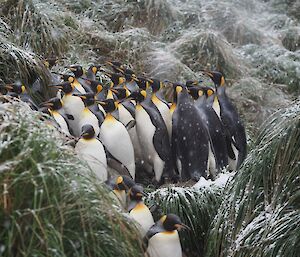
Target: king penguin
<point x="116" y="139"/>
<point x="72" y="105"/>
<point x="78" y="82"/>
<point x="54" y="106"/>
<point x="87" y="116"/>
<point x="218" y="156"/>
<point x="19" y="90"/>
<point x="235" y="130"/>
<point x="162" y="239"/>
<point x="153" y="136"/>
<point x="161" y="105"/>
<point x="189" y="137"/>
<point x="138" y="210"/>
<point x="91" y="150"/>
<point x="119" y="187"/>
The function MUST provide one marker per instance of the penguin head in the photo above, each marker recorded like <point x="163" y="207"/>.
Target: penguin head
<point x="50" y="62"/>
<point x="95" y="85"/>
<point x="87" y="131"/>
<point x="94" y="68"/>
<point x="143" y="83"/>
<point x="124" y="183"/>
<point x="66" y="87"/>
<point x="120" y="92"/>
<point x="191" y="83"/>
<point x="216" y="76"/>
<point x="139" y="95"/>
<point x="136" y="192"/>
<point x="77" y="70"/>
<point x="88" y="99"/>
<point x="177" y="89"/>
<point x="115" y="65"/>
<point x="68" y="78"/>
<point x="109" y="105"/>
<point x="130" y="77"/>
<point x="53" y="104"/>
<point x="155" y="84"/>
<point x="17" y="88"/>
<point x="172" y="222"/>
<point x="116" y="78"/>
<point x="195" y="92"/>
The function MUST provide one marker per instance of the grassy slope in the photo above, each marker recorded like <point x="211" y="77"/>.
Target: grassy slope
<point x="50" y="203"/>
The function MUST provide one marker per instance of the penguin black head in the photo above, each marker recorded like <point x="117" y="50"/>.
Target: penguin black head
<point x="208" y="91"/>
<point x="87" y="132"/>
<point x="88" y="99"/>
<point x="94" y="68"/>
<point x="95" y="85"/>
<point x="53" y="104"/>
<point x="155" y="84"/>
<point x="17" y="88"/>
<point x="136" y="192"/>
<point x="109" y="105"/>
<point x="130" y="77"/>
<point x="124" y="183"/>
<point x="177" y="88"/>
<point x="116" y="78"/>
<point x="68" y="78"/>
<point x="191" y="83"/>
<point x="217" y="77"/>
<point x="195" y="92"/>
<point x="50" y="62"/>
<point x="77" y="70"/>
<point x="116" y="66"/>
<point x="142" y="83"/>
<point x="172" y="222"/>
<point x="66" y="87"/>
<point x="120" y="92"/>
<point x="139" y="95"/>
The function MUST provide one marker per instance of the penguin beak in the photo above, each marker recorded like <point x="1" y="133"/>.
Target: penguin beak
<point x="182" y="226"/>
<point x="8" y="87"/>
<point x="135" y="78"/>
<point x="114" y="90"/>
<point x="101" y="103"/>
<point x="207" y="73"/>
<point x="47" y="104"/>
<point x="150" y="81"/>
<point x="57" y="86"/>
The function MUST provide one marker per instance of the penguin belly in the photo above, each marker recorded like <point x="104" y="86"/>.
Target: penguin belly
<point x="73" y="106"/>
<point x="165" y="244"/>
<point x="88" y="118"/>
<point x="142" y="215"/>
<point x="164" y="112"/>
<point x="125" y="117"/>
<point x="92" y="151"/>
<point x="232" y="164"/>
<point x="145" y="131"/>
<point x="61" y="122"/>
<point x="117" y="141"/>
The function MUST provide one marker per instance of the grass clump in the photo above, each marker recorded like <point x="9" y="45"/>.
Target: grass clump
<point x="50" y="204"/>
<point x="260" y="213"/>
<point x="195" y="206"/>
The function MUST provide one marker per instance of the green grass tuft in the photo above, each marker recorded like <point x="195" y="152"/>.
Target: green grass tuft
<point x="260" y="213"/>
<point x="50" y="204"/>
<point x="195" y="207"/>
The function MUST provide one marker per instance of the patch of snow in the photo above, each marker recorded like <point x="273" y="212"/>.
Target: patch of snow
<point x="220" y="181"/>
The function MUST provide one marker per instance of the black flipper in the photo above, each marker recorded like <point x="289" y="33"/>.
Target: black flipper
<point x="130" y="124"/>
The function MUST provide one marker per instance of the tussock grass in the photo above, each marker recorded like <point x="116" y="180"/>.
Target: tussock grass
<point x="50" y="205"/>
<point x="196" y="208"/>
<point x="260" y="213"/>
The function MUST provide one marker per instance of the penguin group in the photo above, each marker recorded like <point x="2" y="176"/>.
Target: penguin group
<point x="159" y="238"/>
<point x="123" y="124"/>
